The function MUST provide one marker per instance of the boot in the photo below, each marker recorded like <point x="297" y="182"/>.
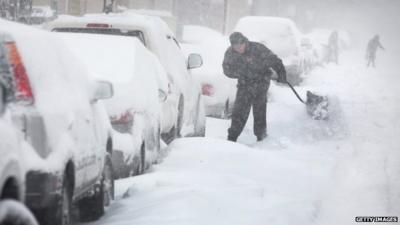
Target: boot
<point x="261" y="137"/>
<point x="233" y="139"/>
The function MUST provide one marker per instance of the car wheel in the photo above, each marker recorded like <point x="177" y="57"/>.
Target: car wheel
<point x="200" y="125"/>
<point x="108" y="182"/>
<point x="227" y="111"/>
<point x="142" y="165"/>
<point x="175" y="131"/>
<point x="158" y="138"/>
<point x="179" y="122"/>
<point x="15" y="213"/>
<point x="62" y="215"/>
<point x="92" y="207"/>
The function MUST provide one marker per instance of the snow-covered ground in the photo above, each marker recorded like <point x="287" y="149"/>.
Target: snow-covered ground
<point x="305" y="172"/>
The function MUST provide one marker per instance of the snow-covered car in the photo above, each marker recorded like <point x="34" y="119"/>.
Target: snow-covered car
<point x="12" y="170"/>
<point x="140" y="84"/>
<point x="57" y="110"/>
<point x="217" y="89"/>
<point x="16" y="10"/>
<point x="183" y="112"/>
<point x="166" y="16"/>
<point x="42" y="14"/>
<point x="281" y="35"/>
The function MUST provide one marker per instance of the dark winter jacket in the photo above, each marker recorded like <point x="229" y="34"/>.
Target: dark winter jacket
<point x="253" y="66"/>
<point x="373" y="45"/>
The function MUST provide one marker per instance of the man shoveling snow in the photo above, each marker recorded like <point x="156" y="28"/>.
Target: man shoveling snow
<point x="250" y="63"/>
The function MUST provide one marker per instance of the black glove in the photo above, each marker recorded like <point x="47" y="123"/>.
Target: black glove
<point x="282" y="76"/>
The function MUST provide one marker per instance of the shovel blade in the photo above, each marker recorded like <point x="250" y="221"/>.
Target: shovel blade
<point x="317" y="106"/>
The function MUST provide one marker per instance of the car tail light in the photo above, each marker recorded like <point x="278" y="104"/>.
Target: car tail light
<point x="22" y="84"/>
<point x="207" y="89"/>
<point x="98" y="25"/>
<point x="124" y="122"/>
<point x="124" y="118"/>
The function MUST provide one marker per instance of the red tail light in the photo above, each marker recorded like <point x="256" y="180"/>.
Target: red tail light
<point x="124" y="118"/>
<point x="98" y="25"/>
<point x="22" y="84"/>
<point x="207" y="89"/>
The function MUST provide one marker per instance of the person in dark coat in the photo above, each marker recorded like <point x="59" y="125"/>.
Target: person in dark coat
<point x="250" y="63"/>
<point x="372" y="47"/>
<point x="333" y="47"/>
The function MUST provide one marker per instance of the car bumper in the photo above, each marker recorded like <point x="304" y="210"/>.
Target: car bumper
<point x="43" y="190"/>
<point x="218" y="108"/>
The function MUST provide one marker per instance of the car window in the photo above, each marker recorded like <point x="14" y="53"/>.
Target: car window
<point x="111" y="31"/>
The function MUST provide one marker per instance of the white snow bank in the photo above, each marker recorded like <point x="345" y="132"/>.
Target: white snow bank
<point x="11" y="210"/>
<point x="211" y="181"/>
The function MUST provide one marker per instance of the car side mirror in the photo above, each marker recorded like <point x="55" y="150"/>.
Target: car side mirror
<point x="194" y="61"/>
<point x="2" y="100"/>
<point x="162" y="96"/>
<point x="103" y="90"/>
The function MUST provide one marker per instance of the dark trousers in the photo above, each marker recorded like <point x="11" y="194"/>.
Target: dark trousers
<point x="246" y="97"/>
<point x="371" y="59"/>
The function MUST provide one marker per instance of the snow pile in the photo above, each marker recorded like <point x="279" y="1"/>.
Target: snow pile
<point x="12" y="211"/>
<point x="219" y="182"/>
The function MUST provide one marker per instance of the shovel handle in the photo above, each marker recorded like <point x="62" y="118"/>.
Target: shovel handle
<point x="295" y="92"/>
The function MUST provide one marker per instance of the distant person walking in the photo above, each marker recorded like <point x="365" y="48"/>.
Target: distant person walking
<point x="250" y="63"/>
<point x="372" y="47"/>
<point x="333" y="47"/>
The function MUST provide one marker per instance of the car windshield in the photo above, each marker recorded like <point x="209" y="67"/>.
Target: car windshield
<point x="108" y="31"/>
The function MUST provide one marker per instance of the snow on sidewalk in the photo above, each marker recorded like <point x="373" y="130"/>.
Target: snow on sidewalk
<point x="212" y="181"/>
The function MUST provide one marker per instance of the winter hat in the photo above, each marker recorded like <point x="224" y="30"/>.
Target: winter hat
<point x="237" y="38"/>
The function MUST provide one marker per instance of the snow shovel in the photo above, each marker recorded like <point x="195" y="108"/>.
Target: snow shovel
<point x="316" y="105"/>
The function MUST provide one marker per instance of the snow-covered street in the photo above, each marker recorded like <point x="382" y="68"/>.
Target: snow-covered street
<point x="199" y="112"/>
<point x="305" y="172"/>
